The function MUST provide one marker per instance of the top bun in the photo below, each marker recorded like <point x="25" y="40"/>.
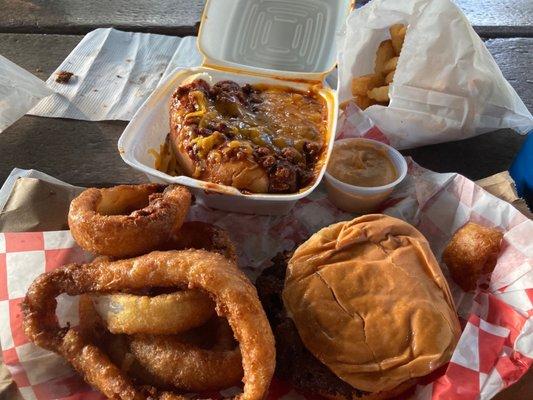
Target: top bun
<point x="370" y="301"/>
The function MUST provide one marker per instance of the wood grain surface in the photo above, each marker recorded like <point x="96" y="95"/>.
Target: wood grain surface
<point x="78" y="152"/>
<point x="88" y="154"/>
<point x="179" y="17"/>
<point x="514" y="57"/>
<point x="173" y="17"/>
<point x="498" y="12"/>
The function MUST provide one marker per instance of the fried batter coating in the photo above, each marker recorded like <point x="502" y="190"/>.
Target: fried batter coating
<point x="116" y="347"/>
<point x="199" y="369"/>
<point x="163" y="314"/>
<point x="472" y="252"/>
<point x="234" y="295"/>
<point x="167" y="313"/>
<point x="203" y="359"/>
<point x="202" y="235"/>
<point x="127" y="220"/>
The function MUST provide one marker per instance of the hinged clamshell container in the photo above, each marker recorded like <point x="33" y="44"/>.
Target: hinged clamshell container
<point x="287" y="43"/>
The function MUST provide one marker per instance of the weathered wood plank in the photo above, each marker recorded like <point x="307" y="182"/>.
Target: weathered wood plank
<point x="39" y="54"/>
<point x="486" y="14"/>
<point x="498" y="13"/>
<point x="85" y="153"/>
<point x="514" y="57"/>
<point x="180" y="17"/>
<point x="78" y="152"/>
<point x="474" y="158"/>
<point x="173" y="17"/>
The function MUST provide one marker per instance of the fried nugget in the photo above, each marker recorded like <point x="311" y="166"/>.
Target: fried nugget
<point x="362" y="84"/>
<point x="380" y="94"/>
<point x="472" y="253"/>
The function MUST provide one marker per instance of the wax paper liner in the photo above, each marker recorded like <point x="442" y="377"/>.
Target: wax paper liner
<point x="114" y="73"/>
<point x="19" y="92"/>
<point x="447" y="85"/>
<point x="496" y="346"/>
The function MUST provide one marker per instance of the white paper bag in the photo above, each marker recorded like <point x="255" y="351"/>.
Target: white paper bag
<point x="19" y="92"/>
<point x="446" y="87"/>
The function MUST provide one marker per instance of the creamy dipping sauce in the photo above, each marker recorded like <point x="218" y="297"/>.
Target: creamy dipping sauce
<point x="361" y="164"/>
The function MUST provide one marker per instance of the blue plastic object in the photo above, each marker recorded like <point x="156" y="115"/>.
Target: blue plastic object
<point x="522" y="170"/>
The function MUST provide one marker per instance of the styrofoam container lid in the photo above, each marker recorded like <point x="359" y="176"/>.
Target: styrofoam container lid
<point x="289" y="38"/>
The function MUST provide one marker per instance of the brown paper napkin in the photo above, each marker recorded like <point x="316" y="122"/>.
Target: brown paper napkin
<point x="36" y="205"/>
<point x="502" y="185"/>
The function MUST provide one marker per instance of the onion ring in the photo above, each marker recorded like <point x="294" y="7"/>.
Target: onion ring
<point x="202" y="235"/>
<point x="234" y="295"/>
<point x="116" y="347"/>
<point x="205" y="363"/>
<point x="167" y="313"/>
<point x="194" y="369"/>
<point x="163" y="314"/>
<point x="127" y="220"/>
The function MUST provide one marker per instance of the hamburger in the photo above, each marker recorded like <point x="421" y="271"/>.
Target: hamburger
<point x="361" y="310"/>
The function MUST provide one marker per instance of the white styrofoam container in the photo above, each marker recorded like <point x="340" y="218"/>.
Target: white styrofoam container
<point x="279" y="42"/>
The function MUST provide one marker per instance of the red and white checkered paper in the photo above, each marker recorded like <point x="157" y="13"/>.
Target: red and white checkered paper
<point x="495" y="349"/>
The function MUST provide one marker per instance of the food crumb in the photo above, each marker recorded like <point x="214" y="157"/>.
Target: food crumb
<point x="63" y="76"/>
<point x="38" y="70"/>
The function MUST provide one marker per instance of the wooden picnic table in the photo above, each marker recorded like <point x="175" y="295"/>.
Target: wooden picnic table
<point x="39" y="34"/>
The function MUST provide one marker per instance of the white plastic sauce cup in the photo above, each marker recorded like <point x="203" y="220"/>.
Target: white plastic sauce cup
<point x="361" y="199"/>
